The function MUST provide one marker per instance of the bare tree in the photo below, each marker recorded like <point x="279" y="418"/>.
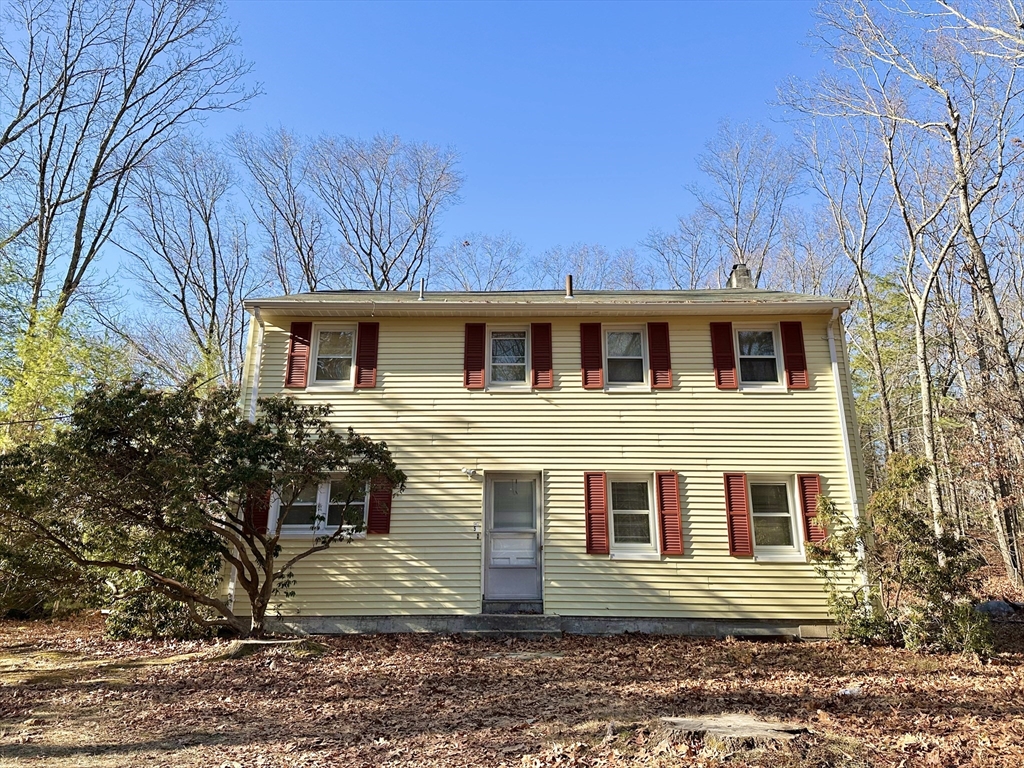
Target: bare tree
<point x="687" y="255"/>
<point x="947" y="79"/>
<point x="300" y="252"/>
<point x="589" y="265"/>
<point x="847" y="168"/>
<point x="479" y="262"/>
<point x="190" y="254"/>
<point x="633" y="270"/>
<point x="750" y="178"/>
<point x="808" y="259"/>
<point x="100" y="86"/>
<point x="384" y="196"/>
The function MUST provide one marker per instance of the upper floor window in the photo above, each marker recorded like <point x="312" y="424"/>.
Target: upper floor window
<point x="332" y="355"/>
<point x="757" y="350"/>
<point x="507" y="358"/>
<point x="334" y="351"/>
<point x="625" y="355"/>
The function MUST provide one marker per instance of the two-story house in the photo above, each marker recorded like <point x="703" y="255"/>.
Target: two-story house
<point x="615" y="460"/>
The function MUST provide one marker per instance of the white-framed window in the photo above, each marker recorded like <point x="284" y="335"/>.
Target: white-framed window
<point x="319" y="510"/>
<point x="333" y="356"/>
<point x="631" y="523"/>
<point x="759" y="356"/>
<point x="625" y="355"/>
<point x="773" y="517"/>
<point x="508" y="357"/>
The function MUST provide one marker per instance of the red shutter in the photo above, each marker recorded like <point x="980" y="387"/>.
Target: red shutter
<point x="257" y="512"/>
<point x="809" y="487"/>
<point x="793" y="355"/>
<point x="595" y="490"/>
<point x="366" y="355"/>
<point x="670" y="512"/>
<point x="297" y="366"/>
<point x="378" y="515"/>
<point x="542" y="374"/>
<point x="723" y="356"/>
<point x="661" y="359"/>
<point x="741" y="539"/>
<point x="473" y="361"/>
<point x="591" y="356"/>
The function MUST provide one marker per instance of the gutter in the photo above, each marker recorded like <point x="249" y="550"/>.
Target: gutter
<point x="848" y="452"/>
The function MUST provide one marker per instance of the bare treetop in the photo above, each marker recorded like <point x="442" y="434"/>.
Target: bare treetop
<point x="90" y="90"/>
<point x="299" y="247"/>
<point x="189" y="253"/>
<point x="751" y="177"/>
<point x="480" y="262"/>
<point x="384" y="196"/>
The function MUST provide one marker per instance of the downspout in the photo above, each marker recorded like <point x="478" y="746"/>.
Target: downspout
<point x="847" y="450"/>
<point x="256" y="363"/>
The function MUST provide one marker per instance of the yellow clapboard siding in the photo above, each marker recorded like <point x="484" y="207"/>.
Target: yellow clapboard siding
<point x="431" y="562"/>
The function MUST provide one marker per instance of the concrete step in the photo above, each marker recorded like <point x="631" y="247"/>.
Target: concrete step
<point x="513" y="623"/>
<point x="513" y="606"/>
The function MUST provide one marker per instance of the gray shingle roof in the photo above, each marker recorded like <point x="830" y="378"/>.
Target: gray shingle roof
<point x="720" y="301"/>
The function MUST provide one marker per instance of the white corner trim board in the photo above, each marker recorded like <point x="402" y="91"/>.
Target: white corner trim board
<point x="848" y="453"/>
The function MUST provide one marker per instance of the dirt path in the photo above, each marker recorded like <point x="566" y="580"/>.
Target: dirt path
<point x="69" y="698"/>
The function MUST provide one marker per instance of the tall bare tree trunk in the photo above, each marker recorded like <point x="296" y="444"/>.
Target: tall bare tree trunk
<point x="928" y="420"/>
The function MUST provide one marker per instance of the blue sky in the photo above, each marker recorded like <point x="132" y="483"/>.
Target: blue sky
<point x="576" y="122"/>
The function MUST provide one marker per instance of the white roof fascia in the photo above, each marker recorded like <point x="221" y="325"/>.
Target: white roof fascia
<point x="577" y="308"/>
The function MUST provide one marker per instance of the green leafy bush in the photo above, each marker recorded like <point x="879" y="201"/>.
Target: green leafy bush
<point x="140" y="610"/>
<point x="37" y="580"/>
<point x="149" y="616"/>
<point x="920" y="583"/>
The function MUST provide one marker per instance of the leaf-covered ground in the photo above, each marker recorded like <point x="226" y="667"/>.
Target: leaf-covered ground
<point x="70" y="698"/>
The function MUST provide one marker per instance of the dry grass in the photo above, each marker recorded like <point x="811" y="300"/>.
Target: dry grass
<point x="69" y="698"/>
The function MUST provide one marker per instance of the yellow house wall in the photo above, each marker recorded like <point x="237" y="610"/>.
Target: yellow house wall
<point x="431" y="563"/>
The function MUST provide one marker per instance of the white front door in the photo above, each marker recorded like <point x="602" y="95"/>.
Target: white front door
<point x="512" y="562"/>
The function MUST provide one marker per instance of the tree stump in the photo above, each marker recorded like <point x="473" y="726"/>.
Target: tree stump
<point x="731" y="731"/>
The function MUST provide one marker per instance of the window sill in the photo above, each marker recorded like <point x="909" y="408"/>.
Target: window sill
<point x="508" y="388"/>
<point x="770" y="389"/>
<point x="627" y="388"/>
<point x="311" y="534"/>
<point x="636" y="556"/>
<point x="325" y="387"/>
<point x="795" y="557"/>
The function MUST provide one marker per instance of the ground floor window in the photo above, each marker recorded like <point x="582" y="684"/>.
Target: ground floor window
<point x="772" y="516"/>
<point x="318" y="510"/>
<point x="632" y="514"/>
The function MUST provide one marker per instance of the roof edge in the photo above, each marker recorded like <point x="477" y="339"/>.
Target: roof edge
<point x="569" y="308"/>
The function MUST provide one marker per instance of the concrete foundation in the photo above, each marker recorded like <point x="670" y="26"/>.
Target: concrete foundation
<point x="539" y="626"/>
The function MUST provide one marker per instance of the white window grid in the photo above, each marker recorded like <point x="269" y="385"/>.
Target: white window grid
<point x="524" y="383"/>
<point x="651" y="547"/>
<point x="315" y="355"/>
<point x="322" y="505"/>
<point x="777" y="357"/>
<point x="644" y="382"/>
<point x="767" y="553"/>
